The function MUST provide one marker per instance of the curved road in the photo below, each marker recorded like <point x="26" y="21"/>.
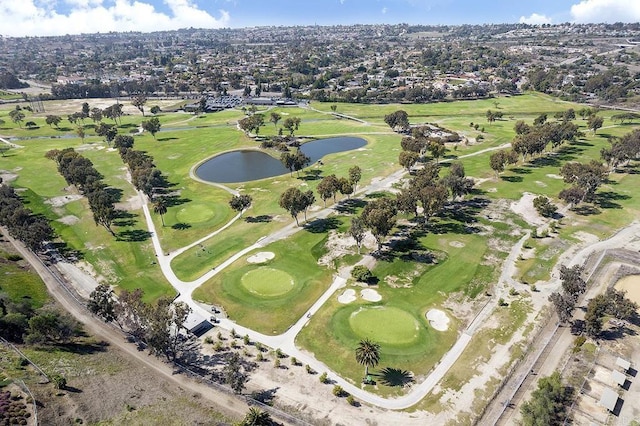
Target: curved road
<point x="286" y="341"/>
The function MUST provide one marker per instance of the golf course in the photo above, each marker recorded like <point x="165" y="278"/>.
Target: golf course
<point x="451" y="261"/>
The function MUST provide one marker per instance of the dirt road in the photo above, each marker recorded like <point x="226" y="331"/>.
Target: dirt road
<point x="225" y="403"/>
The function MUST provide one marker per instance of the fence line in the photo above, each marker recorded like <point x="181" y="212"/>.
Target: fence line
<point x="22" y="355"/>
<point x="25" y="388"/>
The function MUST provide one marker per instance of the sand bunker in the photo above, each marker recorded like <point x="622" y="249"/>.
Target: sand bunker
<point x="69" y="220"/>
<point x="62" y="200"/>
<point x="262" y="257"/>
<point x="370" y="295"/>
<point x="347" y="296"/>
<point x="456" y="244"/>
<point x="438" y="319"/>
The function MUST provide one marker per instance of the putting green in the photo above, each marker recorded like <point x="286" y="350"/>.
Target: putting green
<point x="194" y="213"/>
<point x="385" y="325"/>
<point x="267" y="282"/>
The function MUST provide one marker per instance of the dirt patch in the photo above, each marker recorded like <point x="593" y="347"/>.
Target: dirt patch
<point x="69" y="220"/>
<point x="456" y="244"/>
<point x="438" y="319"/>
<point x="262" y="257"/>
<point x="7" y="176"/>
<point x="62" y="200"/>
<point x="524" y="208"/>
<point x="630" y="284"/>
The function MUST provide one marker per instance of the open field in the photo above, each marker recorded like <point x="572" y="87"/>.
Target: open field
<point x="452" y="263"/>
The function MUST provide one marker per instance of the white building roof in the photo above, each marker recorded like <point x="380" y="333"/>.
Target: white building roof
<point x="609" y="399"/>
<point x="621" y="362"/>
<point x="618" y="377"/>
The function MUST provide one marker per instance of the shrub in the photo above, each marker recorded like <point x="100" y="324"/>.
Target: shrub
<point x="501" y="302"/>
<point x="578" y="343"/>
<point x="361" y="273"/>
<point x="59" y="381"/>
<point x="309" y="369"/>
<point x="294" y="360"/>
<point x="351" y="400"/>
<point x="245" y="339"/>
<point x="513" y="292"/>
<point x="276" y="363"/>
<point x="14" y="257"/>
<point x="339" y="392"/>
<point x="323" y="378"/>
<point x="208" y="340"/>
<point x="259" y="357"/>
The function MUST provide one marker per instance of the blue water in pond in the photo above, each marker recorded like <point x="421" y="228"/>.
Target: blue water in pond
<point x="244" y="166"/>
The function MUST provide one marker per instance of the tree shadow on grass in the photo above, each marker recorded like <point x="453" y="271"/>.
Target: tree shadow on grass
<point x="135" y="235"/>
<point x="181" y="226"/>
<point x="605" y="199"/>
<point x="166" y="139"/>
<point x="311" y="175"/>
<point x="349" y="206"/>
<point x="520" y="170"/>
<point x="511" y="179"/>
<point x="266" y="396"/>
<point x="124" y="218"/>
<point x="259" y="219"/>
<point x="395" y="377"/>
<point x="322" y="225"/>
<point x="586" y="210"/>
<point x="65" y="252"/>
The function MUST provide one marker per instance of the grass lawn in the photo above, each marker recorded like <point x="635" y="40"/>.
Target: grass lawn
<point x="19" y="284"/>
<point x="267" y="282"/>
<point x="297" y="257"/>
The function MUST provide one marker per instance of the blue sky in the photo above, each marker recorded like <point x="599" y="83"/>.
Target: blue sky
<point x="58" y="17"/>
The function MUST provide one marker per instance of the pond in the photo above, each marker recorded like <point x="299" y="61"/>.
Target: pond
<point x="630" y="284"/>
<point x="244" y="166"/>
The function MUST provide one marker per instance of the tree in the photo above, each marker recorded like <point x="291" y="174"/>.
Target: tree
<point x="85" y="110"/>
<point x="345" y="187"/>
<point x="594" y="122"/>
<point x="328" y="187"/>
<point x="368" y="354"/>
<point x="152" y="126"/>
<point x="334" y="108"/>
<point x="240" y="203"/>
<point x="293" y="200"/>
<point x="291" y="124"/>
<point x="357" y="231"/>
<point x="155" y="109"/>
<point x="563" y="305"/>
<point x="17" y="116"/>
<point x="456" y="182"/>
<point x="139" y="101"/>
<point x="572" y="282"/>
<point x="123" y="142"/>
<point x="102" y="303"/>
<point x="548" y="403"/>
<point x="108" y="131"/>
<point x="355" y="174"/>
<point x="397" y="120"/>
<point x="361" y="273"/>
<point x="437" y="149"/>
<point x="300" y="161"/>
<point x="408" y="159"/>
<point x="52" y="327"/>
<point x="432" y="197"/>
<point x="81" y="133"/>
<point x="233" y="373"/>
<point x="53" y="120"/>
<point x="96" y="115"/>
<point x="274" y="117"/>
<point x="287" y="159"/>
<point x="102" y="207"/>
<point x="256" y="417"/>
<point x="497" y="161"/>
<point x="545" y="207"/>
<point x="307" y="201"/>
<point x="491" y="117"/>
<point x="380" y="217"/>
<point x="160" y="207"/>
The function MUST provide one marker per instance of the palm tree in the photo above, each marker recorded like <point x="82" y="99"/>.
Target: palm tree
<point x="368" y="354"/>
<point x="160" y="207"/>
<point x="256" y="417"/>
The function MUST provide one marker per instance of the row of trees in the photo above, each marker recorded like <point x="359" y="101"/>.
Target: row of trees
<point x="295" y="201"/>
<point x="79" y="171"/>
<point x="32" y="229"/>
<point x="573" y="285"/>
<point x="612" y="303"/>
<point x="253" y="122"/>
<point x="158" y="324"/>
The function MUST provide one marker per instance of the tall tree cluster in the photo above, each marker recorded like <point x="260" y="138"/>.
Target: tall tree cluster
<point x="157" y="324"/>
<point x="573" y="285"/>
<point x="32" y="229"/>
<point x="613" y="303"/>
<point x="79" y="171"/>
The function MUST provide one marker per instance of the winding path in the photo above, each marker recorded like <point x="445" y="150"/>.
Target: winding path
<point x="286" y="341"/>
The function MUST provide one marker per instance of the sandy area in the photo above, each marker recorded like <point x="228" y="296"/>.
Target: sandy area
<point x="630" y="284"/>
<point x="438" y="319"/>
<point x="347" y="296"/>
<point x="261" y="257"/>
<point x="62" y="200"/>
<point x="7" y="176"/>
<point x="69" y="220"/>
<point x="524" y="208"/>
<point x="456" y="244"/>
<point x="370" y="295"/>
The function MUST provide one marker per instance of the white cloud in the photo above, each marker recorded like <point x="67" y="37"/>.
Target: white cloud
<point x="535" y="19"/>
<point x="33" y="17"/>
<point x="384" y="11"/>
<point x="606" y="11"/>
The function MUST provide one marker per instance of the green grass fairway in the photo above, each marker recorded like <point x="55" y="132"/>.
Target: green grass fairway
<point x="192" y="212"/>
<point x="385" y="325"/>
<point x="267" y="282"/>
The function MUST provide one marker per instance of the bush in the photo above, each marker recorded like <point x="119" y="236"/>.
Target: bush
<point x="14" y="257"/>
<point x="259" y="357"/>
<point x="323" y="378"/>
<point x="578" y="343"/>
<point x="245" y="339"/>
<point x="339" y="392"/>
<point x="59" y="381"/>
<point x="276" y="363"/>
<point x="361" y="273"/>
<point x="351" y="400"/>
<point x="208" y="340"/>
<point x="501" y="302"/>
<point x="294" y="360"/>
<point x="309" y="369"/>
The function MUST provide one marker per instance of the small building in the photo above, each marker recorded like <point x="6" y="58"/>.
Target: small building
<point x="618" y="378"/>
<point x="609" y="399"/>
<point x="197" y="324"/>
<point x="621" y="362"/>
